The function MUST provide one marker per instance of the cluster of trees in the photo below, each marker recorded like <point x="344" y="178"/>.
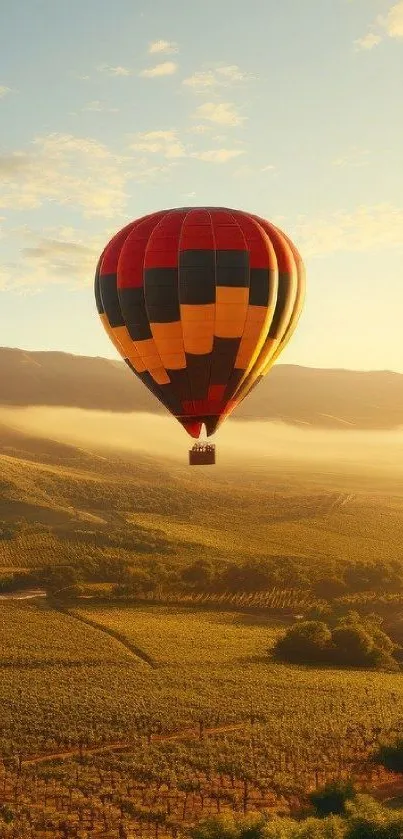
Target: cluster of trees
<point x="155" y="570"/>
<point x="259" y="574"/>
<point x="128" y="579"/>
<point x="351" y="817"/>
<point x="353" y="640"/>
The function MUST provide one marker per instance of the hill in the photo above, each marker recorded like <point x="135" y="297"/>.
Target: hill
<point x="315" y="397"/>
<point x="71" y="495"/>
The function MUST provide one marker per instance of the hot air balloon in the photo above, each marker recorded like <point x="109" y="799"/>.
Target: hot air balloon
<point x="200" y="302"/>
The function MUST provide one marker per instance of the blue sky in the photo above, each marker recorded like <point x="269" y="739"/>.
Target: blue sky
<point x="289" y="109"/>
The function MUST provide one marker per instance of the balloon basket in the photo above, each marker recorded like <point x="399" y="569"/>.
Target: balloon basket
<point x="202" y="454"/>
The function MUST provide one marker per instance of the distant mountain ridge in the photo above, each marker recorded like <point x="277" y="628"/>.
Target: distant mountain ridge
<point x="295" y="395"/>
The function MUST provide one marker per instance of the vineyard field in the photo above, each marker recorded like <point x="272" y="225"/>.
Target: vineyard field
<point x="209" y="723"/>
<point x="70" y="679"/>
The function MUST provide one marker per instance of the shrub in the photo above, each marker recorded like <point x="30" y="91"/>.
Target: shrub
<point x="391" y="756"/>
<point x="308" y="641"/>
<point x="352" y="645"/>
<point x="331" y="799"/>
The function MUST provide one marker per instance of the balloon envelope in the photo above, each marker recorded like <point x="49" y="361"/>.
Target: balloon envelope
<point x="200" y="302"/>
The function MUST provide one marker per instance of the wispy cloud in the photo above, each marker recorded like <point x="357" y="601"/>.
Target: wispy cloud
<point x="389" y="25"/>
<point x="66" y="170"/>
<point x="168" y="145"/>
<point x="207" y="81"/>
<point x="4" y="90"/>
<point x="218" y="155"/>
<point x="62" y="258"/>
<point x="354" y="157"/>
<point x="162" y="142"/>
<point x="167" y="68"/>
<point x="114" y="71"/>
<point x="367" y="228"/>
<point x="164" y="47"/>
<point x="60" y="255"/>
<point x="222" y="113"/>
<point x="248" y="170"/>
<point x="368" y="41"/>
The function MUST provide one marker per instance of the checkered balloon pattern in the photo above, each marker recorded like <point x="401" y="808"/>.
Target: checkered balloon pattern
<point x="200" y="302"/>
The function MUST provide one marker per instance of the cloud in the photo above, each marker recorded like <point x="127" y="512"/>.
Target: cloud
<point x="65" y="170"/>
<point x="62" y="259"/>
<point x="59" y="256"/>
<point x="160" y="142"/>
<point x="365" y="229"/>
<point x="167" y="144"/>
<point x="389" y="25"/>
<point x="114" y="71"/>
<point x="166" y="47"/>
<point x="368" y="42"/>
<point x="205" y="81"/>
<point x="393" y="22"/>
<point x="354" y="157"/>
<point x="167" y="68"/>
<point x="4" y="90"/>
<point x="222" y="113"/>
<point x="11" y="164"/>
<point x="218" y="155"/>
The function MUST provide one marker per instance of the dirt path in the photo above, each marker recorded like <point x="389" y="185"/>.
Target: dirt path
<point x="136" y="652"/>
<point x="390" y="790"/>
<point x="122" y="745"/>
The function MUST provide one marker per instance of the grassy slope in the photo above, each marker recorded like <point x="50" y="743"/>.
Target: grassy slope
<point x="237" y="511"/>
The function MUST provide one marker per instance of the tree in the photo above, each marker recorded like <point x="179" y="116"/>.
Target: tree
<point x="221" y="827"/>
<point x="137" y="581"/>
<point x="352" y="645"/>
<point x="199" y="574"/>
<point x="55" y="577"/>
<point x="366" y="819"/>
<point x="329" y="587"/>
<point x="331" y="799"/>
<point x="308" y="641"/>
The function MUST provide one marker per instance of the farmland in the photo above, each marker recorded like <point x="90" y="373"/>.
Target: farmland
<point x="209" y="723"/>
<point x="144" y="717"/>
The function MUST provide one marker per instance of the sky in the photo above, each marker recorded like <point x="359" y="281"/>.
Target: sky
<point x="292" y="110"/>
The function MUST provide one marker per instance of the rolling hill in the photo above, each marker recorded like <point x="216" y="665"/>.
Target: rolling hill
<point x="63" y="496"/>
<point x="296" y="395"/>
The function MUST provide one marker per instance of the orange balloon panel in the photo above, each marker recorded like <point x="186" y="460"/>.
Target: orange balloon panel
<point x="200" y="302"/>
